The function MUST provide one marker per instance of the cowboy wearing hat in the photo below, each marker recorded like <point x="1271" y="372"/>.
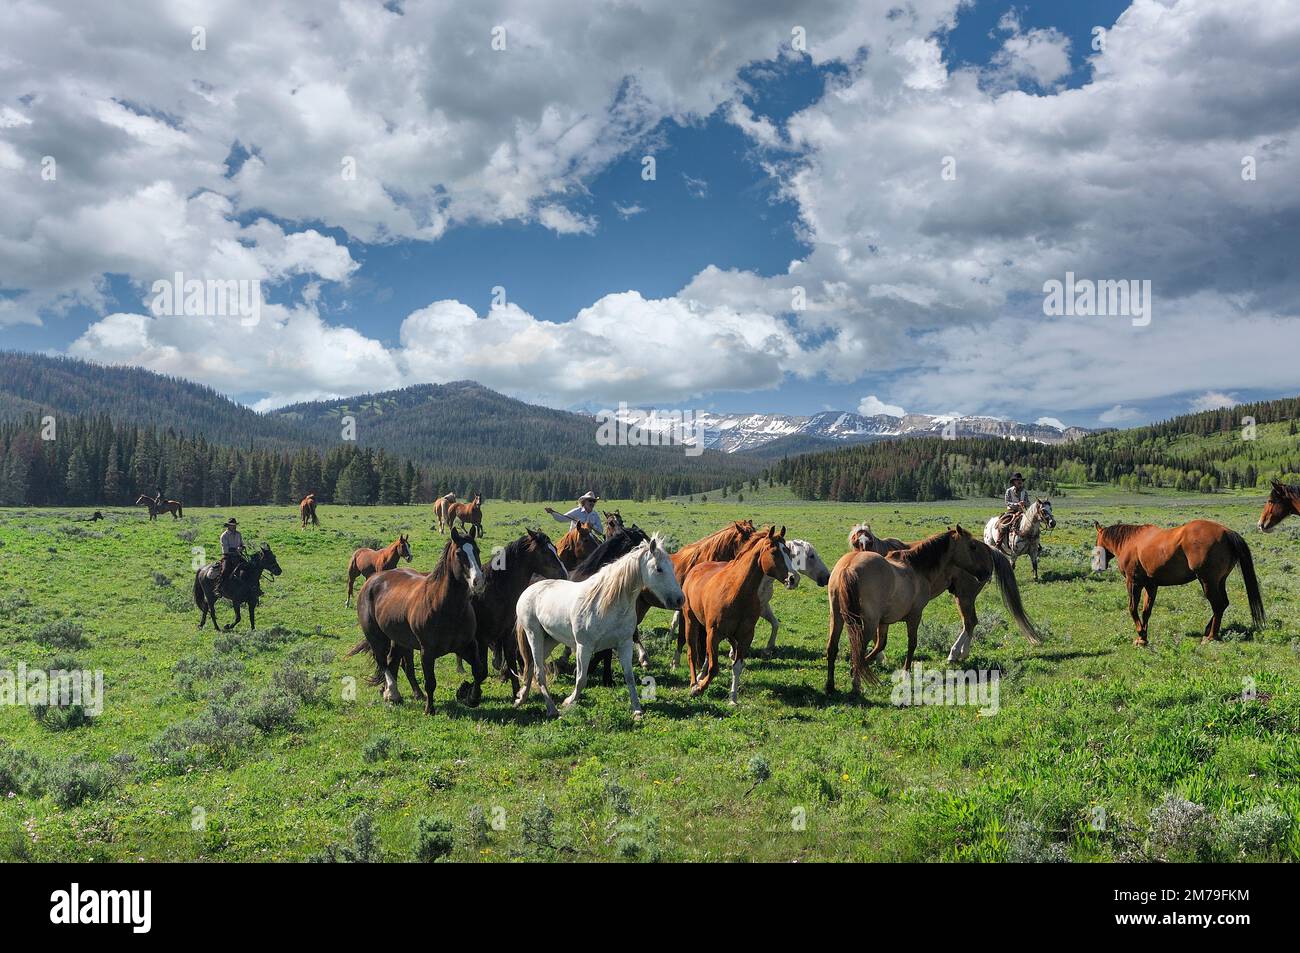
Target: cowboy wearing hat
<point x="232" y="550"/>
<point x="584" y="512"/>
<point x="1017" y="499"/>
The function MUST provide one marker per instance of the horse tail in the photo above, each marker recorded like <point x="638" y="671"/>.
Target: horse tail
<point x="1011" y="595"/>
<point x="527" y="663"/>
<point x="199" y="599"/>
<point x="847" y="603"/>
<point x="362" y="646"/>
<point x="180" y="510"/>
<point x="1242" y="551"/>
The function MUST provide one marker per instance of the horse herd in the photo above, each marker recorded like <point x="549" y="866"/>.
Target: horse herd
<point x="589" y="595"/>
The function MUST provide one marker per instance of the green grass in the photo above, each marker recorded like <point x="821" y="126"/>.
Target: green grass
<point x="230" y="747"/>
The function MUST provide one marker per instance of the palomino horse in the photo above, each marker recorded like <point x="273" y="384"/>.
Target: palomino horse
<point x="576" y="545"/>
<point x="158" y="505"/>
<point x="1024" y="536"/>
<point x="400" y="610"/>
<point x="1284" y="501"/>
<point x="869" y="592"/>
<point x="864" y="540"/>
<point x="965" y="587"/>
<point x="719" y="546"/>
<point x="243" y="587"/>
<point x="470" y="514"/>
<point x="367" y="562"/>
<point x="722" y="603"/>
<point x="598" y="613"/>
<point x="440" y="511"/>
<point x="1151" y="557"/>
<point x="307" y="510"/>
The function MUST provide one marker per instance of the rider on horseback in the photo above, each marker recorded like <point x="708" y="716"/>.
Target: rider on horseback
<point x="232" y="552"/>
<point x="1017" y="500"/>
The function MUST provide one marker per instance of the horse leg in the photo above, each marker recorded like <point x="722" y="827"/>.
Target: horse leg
<point x="1133" y="611"/>
<point x="380" y="647"/>
<point x="352" y="578"/>
<point x="1033" y="559"/>
<point x="678" y="627"/>
<point x="607" y="668"/>
<point x="642" y="656"/>
<point x="770" y="616"/>
<point x="833" y="647"/>
<point x="236" y="622"/>
<point x="1217" y="593"/>
<point x="688" y="636"/>
<point x="408" y="666"/>
<point x="430" y="678"/>
<point x="629" y="676"/>
<point x="882" y="636"/>
<point x="709" y="643"/>
<point x="252" y="617"/>
<point x="584" y="655"/>
<point x="961" y="648"/>
<point x="470" y="694"/>
<point x="913" y="623"/>
<point x="1149" y="591"/>
<point x="739" y="649"/>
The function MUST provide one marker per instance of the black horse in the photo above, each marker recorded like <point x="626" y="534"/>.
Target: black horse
<point x="244" y="586"/>
<point x="619" y="543"/>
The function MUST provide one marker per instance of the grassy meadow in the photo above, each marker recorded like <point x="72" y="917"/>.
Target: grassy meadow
<point x="252" y="746"/>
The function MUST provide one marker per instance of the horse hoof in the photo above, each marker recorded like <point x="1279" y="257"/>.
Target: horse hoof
<point x="636" y="715"/>
<point x="1139" y="641"/>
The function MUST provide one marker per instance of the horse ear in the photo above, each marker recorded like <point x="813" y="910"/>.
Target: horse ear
<point x="782" y="533"/>
<point x="654" y="544"/>
<point x="1096" y="525"/>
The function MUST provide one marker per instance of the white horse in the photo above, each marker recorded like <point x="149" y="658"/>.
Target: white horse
<point x="1024" y="536"/>
<point x="590" y="616"/>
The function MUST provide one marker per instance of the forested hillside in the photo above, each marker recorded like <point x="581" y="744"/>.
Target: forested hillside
<point x="1205" y="452"/>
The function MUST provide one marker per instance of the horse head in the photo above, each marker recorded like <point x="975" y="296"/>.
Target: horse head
<point x="807" y="561"/>
<point x="1282" y="502"/>
<point x="774" y="557"/>
<point x="543" y="559"/>
<point x="1101" y="553"/>
<point x="465" y="560"/>
<point x="970" y="554"/>
<point x="404" y="547"/>
<point x="658" y="574"/>
<point x="1042" y="510"/>
<point x="265" y="559"/>
<point x="861" y="538"/>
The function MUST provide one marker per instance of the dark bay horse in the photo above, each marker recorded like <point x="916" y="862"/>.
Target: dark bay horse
<point x="1283" y="501"/>
<point x="470" y="514"/>
<point x="307" y="510"/>
<point x="576" y="545"/>
<point x="367" y="562"/>
<point x="1151" y="557"/>
<point x="508" y="574"/>
<point x="402" y="610"/>
<point x="722" y="603"/>
<point x="869" y="592"/>
<point x="243" y="587"/>
<point x="158" y="505"/>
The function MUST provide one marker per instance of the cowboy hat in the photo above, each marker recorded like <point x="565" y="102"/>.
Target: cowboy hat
<point x="588" y="496"/>
<point x="230" y="522"/>
<point x="1017" y="476"/>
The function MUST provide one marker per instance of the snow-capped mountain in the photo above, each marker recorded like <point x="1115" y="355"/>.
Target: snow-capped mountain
<point x="733" y="433"/>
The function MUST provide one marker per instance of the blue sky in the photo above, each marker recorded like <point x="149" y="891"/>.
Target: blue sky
<point x="724" y="198"/>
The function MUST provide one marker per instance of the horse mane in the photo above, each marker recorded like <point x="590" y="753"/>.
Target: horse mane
<point x="440" y="570"/>
<point x="1283" y="491"/>
<point x="928" y="553"/>
<point x="714" y="546"/>
<point x="1120" y="533"/>
<point x="611" y="549"/>
<point x="618" y="578"/>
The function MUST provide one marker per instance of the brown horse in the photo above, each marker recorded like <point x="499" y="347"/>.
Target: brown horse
<point x="1151" y="557"/>
<point x="722" y="602"/>
<point x="576" y="545"/>
<point x="367" y="562"/>
<point x="440" y="511"/>
<point x="1284" y="501"/>
<point x="613" y="523"/>
<point x="158" y="505"/>
<point x="307" y="510"/>
<point x="721" y="546"/>
<point x="869" y="592"/>
<point x="400" y="610"/>
<point x="470" y="514"/>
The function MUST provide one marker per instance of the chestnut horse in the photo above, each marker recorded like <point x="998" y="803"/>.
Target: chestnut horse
<point x="367" y="562"/>
<point x="470" y="514"/>
<point x="159" y="505"/>
<point x="400" y="610"/>
<point x="1151" y="557"/>
<point x="440" y="511"/>
<point x="576" y="545"/>
<point x="307" y="510"/>
<point x="1284" y="501"/>
<point x="869" y="592"/>
<point x="722" y="602"/>
<point x="725" y="544"/>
